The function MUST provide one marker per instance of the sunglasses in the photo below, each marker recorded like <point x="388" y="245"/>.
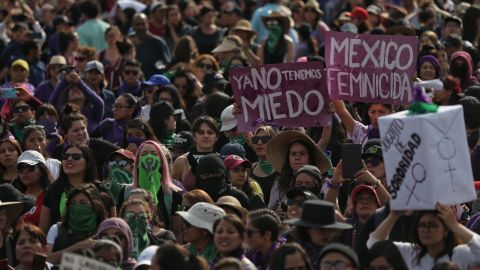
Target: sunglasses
<point x="205" y="66"/>
<point x="250" y="232"/>
<point x="291" y="202"/>
<point x="21" y="167"/>
<point x="121" y="163"/>
<point x="374" y="161"/>
<point x="129" y="71"/>
<point x="20" y="109"/>
<point x="263" y="139"/>
<point x="74" y="156"/>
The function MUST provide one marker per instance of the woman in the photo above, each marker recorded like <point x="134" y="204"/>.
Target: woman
<point x="84" y="212"/>
<point x="9" y="213"/>
<point x="139" y="218"/>
<point x="110" y="55"/>
<point x="152" y="173"/>
<point x="385" y="255"/>
<point x="228" y="236"/>
<point x="162" y="120"/>
<point x="10" y="150"/>
<point x="290" y="256"/>
<point x="33" y="179"/>
<point x="172" y="256"/>
<point x="30" y="241"/>
<point x="47" y="116"/>
<point x="198" y="229"/>
<point x="263" y="230"/>
<point x="237" y="174"/>
<point x="205" y="134"/>
<point x="184" y="53"/>
<point x="54" y="68"/>
<point x="201" y="65"/>
<point x="308" y="45"/>
<point x="207" y="34"/>
<point x="136" y="133"/>
<point x="78" y="168"/>
<point x="74" y="90"/>
<point x="428" y="68"/>
<point x="278" y="47"/>
<point x="108" y="251"/>
<point x="313" y="16"/>
<point x="288" y="151"/>
<point x="188" y="86"/>
<point x="435" y="239"/>
<point x="338" y="256"/>
<point x="124" y="109"/>
<point x="450" y="94"/>
<point x="262" y="170"/>
<point x="36" y="139"/>
<point x="117" y="229"/>
<point x="68" y="43"/>
<point x="175" y="28"/>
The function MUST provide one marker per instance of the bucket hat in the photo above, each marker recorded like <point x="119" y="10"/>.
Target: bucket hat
<point x="202" y="215"/>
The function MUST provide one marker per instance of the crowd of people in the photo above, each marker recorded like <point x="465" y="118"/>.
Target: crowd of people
<point x="120" y="142"/>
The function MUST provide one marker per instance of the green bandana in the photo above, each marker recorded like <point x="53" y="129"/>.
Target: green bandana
<point x="63" y="203"/>
<point x="274" y="36"/>
<point x="240" y="140"/>
<point x="265" y="166"/>
<point x="167" y="141"/>
<point x="149" y="174"/>
<point x="138" y="226"/>
<point x="82" y="220"/>
<point x="118" y="179"/>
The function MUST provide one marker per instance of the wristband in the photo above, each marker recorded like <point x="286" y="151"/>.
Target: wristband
<point x="334" y="186"/>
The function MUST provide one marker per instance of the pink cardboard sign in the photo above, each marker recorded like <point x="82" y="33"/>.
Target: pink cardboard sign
<point x="288" y="95"/>
<point x="371" y="68"/>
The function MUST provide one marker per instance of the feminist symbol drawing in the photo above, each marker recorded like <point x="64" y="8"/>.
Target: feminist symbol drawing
<point x="150" y="165"/>
<point x="419" y="174"/>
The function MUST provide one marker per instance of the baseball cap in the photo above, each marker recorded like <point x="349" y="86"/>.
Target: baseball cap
<point x="372" y="147"/>
<point x="183" y="140"/>
<point x="359" y="12"/>
<point x="122" y="152"/>
<point x="157" y="79"/>
<point x="213" y="78"/>
<point x="97" y="65"/>
<point x="374" y="9"/>
<point x="145" y="257"/>
<point x="232" y="148"/>
<point x="202" y="215"/>
<point x="229" y="121"/>
<point x="361" y="188"/>
<point x="22" y="63"/>
<point x="294" y="192"/>
<point x="233" y="161"/>
<point x="31" y="157"/>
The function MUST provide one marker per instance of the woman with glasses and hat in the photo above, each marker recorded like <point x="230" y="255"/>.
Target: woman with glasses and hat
<point x="313" y="16"/>
<point x="198" y="229"/>
<point x="288" y="151"/>
<point x="9" y="213"/>
<point x="33" y="179"/>
<point x="316" y="228"/>
<point x="278" y="47"/>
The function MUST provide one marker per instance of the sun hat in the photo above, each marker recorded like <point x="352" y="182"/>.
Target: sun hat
<point x="374" y="9"/>
<point x="202" y="215"/>
<point x="229" y="43"/>
<point x="14" y="210"/>
<point x="31" y="157"/>
<point x="319" y="214"/>
<point x="315" y="5"/>
<point x="343" y="249"/>
<point x="361" y="188"/>
<point x="276" y="15"/>
<point x="232" y="203"/>
<point x="244" y="25"/>
<point x="9" y="193"/>
<point x="145" y="257"/>
<point x="95" y="65"/>
<point x="278" y="147"/>
<point x="229" y="121"/>
<point x="57" y="60"/>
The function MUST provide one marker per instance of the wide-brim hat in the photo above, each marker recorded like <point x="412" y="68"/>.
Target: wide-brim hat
<point x="283" y="19"/>
<point x="244" y="25"/>
<point x="232" y="203"/>
<point x="277" y="150"/>
<point x="14" y="210"/>
<point x="319" y="214"/>
<point x="314" y="4"/>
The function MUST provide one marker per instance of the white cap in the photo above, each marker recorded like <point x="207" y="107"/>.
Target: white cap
<point x="145" y="257"/>
<point x="202" y="215"/>
<point x="229" y="121"/>
<point x="31" y="157"/>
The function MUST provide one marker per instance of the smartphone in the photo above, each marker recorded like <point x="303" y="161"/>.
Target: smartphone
<point x="9" y="93"/>
<point x="34" y="35"/>
<point x="68" y="69"/>
<point x="38" y="262"/>
<point x="351" y="159"/>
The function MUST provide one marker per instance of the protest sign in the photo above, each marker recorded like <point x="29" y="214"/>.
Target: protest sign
<point x="72" y="261"/>
<point x="370" y="68"/>
<point x="287" y="95"/>
<point x="426" y="159"/>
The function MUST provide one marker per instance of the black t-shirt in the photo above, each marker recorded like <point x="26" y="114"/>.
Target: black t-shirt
<point x="53" y="197"/>
<point x="206" y="43"/>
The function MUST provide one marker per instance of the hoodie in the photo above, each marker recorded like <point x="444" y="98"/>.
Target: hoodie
<point x="118" y="223"/>
<point x="462" y="72"/>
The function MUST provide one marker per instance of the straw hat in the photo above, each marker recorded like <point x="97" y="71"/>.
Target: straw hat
<point x="232" y="203"/>
<point x="244" y="25"/>
<point x="14" y="209"/>
<point x="275" y="15"/>
<point x="315" y="5"/>
<point x="277" y="150"/>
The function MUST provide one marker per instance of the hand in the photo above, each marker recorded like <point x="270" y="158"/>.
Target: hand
<point x="23" y="93"/>
<point x="331" y="107"/>
<point x="72" y="77"/>
<point x="366" y="177"/>
<point x="447" y="215"/>
<point x="337" y="174"/>
<point x="86" y="244"/>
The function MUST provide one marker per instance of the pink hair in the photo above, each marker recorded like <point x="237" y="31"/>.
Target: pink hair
<point x="166" y="180"/>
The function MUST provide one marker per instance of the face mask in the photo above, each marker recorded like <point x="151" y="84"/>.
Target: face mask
<point x="212" y="185"/>
<point x="149" y="174"/>
<point x="138" y="226"/>
<point x="82" y="219"/>
<point x="118" y="179"/>
<point x="274" y="35"/>
<point x="135" y="140"/>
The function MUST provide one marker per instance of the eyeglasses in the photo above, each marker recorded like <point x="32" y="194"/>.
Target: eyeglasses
<point x="74" y="156"/>
<point x="263" y="139"/>
<point x="130" y="71"/>
<point x="250" y="232"/>
<point x="430" y="226"/>
<point x="119" y="106"/>
<point x="205" y="66"/>
<point x="20" y="109"/>
<point x="338" y="265"/>
<point x="121" y="163"/>
<point x="21" y="167"/>
<point x="291" y="202"/>
<point x="374" y="161"/>
<point x="79" y="59"/>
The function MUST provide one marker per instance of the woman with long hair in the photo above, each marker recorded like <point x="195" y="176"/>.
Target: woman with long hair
<point x="436" y="237"/>
<point x="175" y="28"/>
<point x="36" y="139"/>
<point x="288" y="256"/>
<point x="385" y="255"/>
<point x="9" y="213"/>
<point x="278" y="47"/>
<point x="136" y="133"/>
<point x="184" y="53"/>
<point x="30" y="241"/>
<point x="10" y="150"/>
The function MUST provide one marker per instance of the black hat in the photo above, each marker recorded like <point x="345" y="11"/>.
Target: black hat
<point x="343" y="249"/>
<point x="319" y="214"/>
<point x="161" y="109"/>
<point x="310" y="170"/>
<point x="183" y="140"/>
<point x="10" y="194"/>
<point x="210" y="164"/>
<point x="205" y="9"/>
<point x="373" y="147"/>
<point x="294" y="192"/>
<point x="453" y="41"/>
<point x="473" y="91"/>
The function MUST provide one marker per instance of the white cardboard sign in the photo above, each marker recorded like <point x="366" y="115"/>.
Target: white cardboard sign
<point x="427" y="159"/>
<point x="71" y="261"/>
